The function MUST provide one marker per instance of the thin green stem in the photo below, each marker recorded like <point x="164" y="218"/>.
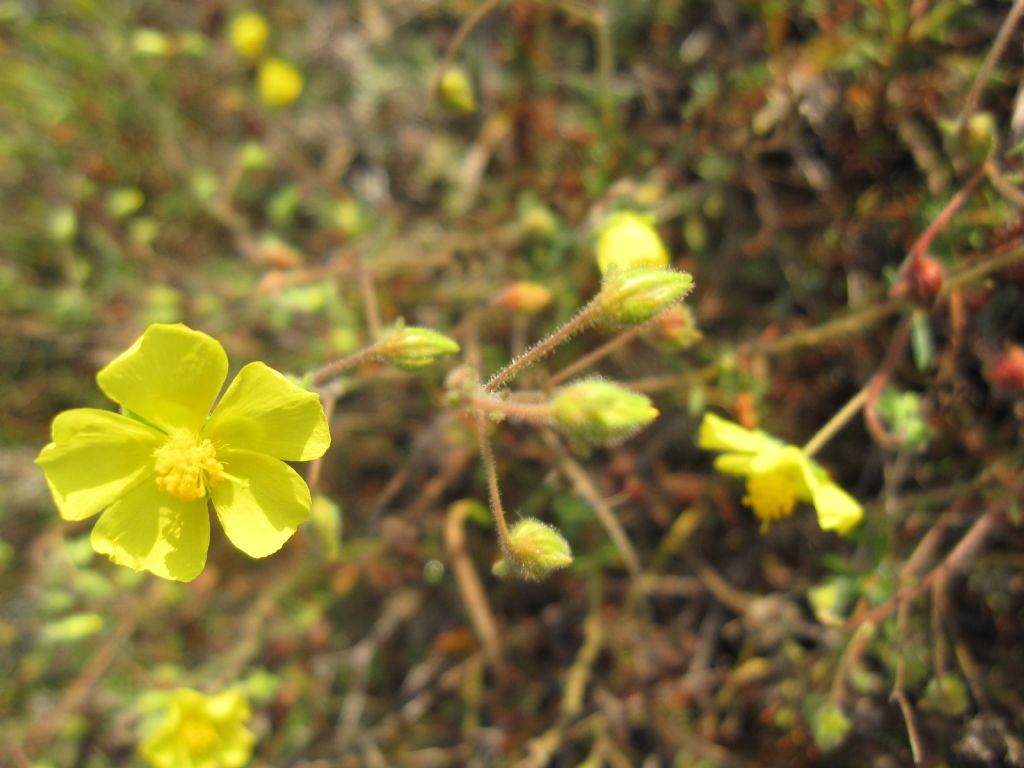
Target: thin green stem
<point x="544" y="347"/>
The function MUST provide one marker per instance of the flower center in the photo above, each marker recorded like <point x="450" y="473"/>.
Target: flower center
<point x="186" y="466"/>
<point x="199" y="736"/>
<point x="772" y="494"/>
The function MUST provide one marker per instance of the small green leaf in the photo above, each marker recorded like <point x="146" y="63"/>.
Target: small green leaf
<point x="922" y="342"/>
<point x="946" y="695"/>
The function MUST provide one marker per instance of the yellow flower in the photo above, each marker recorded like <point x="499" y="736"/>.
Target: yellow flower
<point x="200" y="731"/>
<point x="152" y="469"/>
<point x="279" y="83"/>
<point x="456" y="91"/>
<point x="628" y="240"/>
<point x="778" y="475"/>
<point x="248" y="34"/>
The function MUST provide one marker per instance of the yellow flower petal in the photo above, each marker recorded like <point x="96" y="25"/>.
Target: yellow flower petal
<point x="170" y="376"/>
<point x="263" y="411"/>
<point x="153" y="531"/>
<point x="718" y="434"/>
<point x="261" y="501"/>
<point x="628" y="240"/>
<point x="96" y="457"/>
<point x="837" y="510"/>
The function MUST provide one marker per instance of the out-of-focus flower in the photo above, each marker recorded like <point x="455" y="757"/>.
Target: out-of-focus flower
<point x="279" y="82"/>
<point x="778" y="475"/>
<point x="455" y="90"/>
<point x="248" y="34"/>
<point x="627" y="240"/>
<point x="200" y="731"/>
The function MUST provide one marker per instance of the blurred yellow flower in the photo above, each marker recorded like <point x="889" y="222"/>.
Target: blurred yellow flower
<point x="628" y="240"/>
<point x="200" y="731"/>
<point x="778" y="475"/>
<point x="248" y="34"/>
<point x="279" y="83"/>
<point x="456" y="91"/>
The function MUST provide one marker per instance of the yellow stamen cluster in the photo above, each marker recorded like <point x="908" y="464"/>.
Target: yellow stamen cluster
<point x="199" y="736"/>
<point x="772" y="495"/>
<point x="186" y="466"/>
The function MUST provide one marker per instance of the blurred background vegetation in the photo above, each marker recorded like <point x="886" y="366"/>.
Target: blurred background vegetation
<point x="792" y="153"/>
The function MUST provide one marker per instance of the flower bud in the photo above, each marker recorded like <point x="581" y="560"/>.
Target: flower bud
<point x="677" y="327"/>
<point x="455" y="91"/>
<point x="279" y="83"/>
<point x="538" y="222"/>
<point x="1007" y="370"/>
<point x="980" y="137"/>
<point x="637" y="295"/>
<point x="409" y="347"/>
<point x="628" y="240"/>
<point x="150" y="43"/>
<point x="524" y="296"/>
<point x="925" y="278"/>
<point x="596" y="411"/>
<point x="535" y="549"/>
<point x="248" y="34"/>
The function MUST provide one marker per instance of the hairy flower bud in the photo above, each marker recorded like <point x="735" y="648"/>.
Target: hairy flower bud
<point x="524" y="296"/>
<point x="628" y="240"/>
<point x="637" y="295"/>
<point x="409" y="347"/>
<point x="535" y="550"/>
<point x="596" y="412"/>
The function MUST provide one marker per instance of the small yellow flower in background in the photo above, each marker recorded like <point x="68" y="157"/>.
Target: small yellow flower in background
<point x="152" y="468"/>
<point x="778" y="475"/>
<point x="248" y="34"/>
<point x="279" y="83"/>
<point x="200" y="731"/>
<point x="456" y="91"/>
<point x="628" y="240"/>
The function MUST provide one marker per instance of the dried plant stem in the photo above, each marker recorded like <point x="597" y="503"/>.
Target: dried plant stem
<point x="584" y="486"/>
<point x="1004" y="187"/>
<point x="853" y="652"/>
<point x="487" y="455"/>
<point x="545" y="346"/>
<point x="994" y="54"/>
<point x="369" y="296"/>
<point x="963" y="552"/>
<point x="468" y="25"/>
<point x="474" y="596"/>
<point x="940" y="222"/>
